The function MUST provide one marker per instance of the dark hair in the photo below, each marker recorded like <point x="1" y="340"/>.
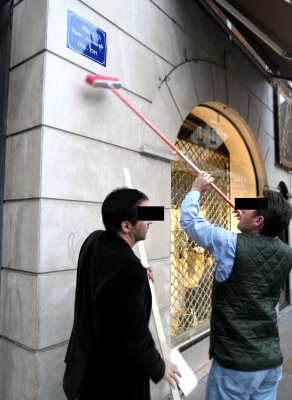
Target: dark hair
<point x="121" y="205"/>
<point x="277" y="216"/>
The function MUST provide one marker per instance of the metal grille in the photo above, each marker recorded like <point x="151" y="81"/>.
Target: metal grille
<point x="191" y="266"/>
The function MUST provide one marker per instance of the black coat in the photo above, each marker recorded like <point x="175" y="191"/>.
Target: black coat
<point x="111" y="353"/>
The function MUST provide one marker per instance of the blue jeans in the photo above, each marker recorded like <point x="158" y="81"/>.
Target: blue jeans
<point x="229" y="384"/>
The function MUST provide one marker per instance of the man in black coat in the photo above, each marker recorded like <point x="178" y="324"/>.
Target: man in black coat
<point x="111" y="353"/>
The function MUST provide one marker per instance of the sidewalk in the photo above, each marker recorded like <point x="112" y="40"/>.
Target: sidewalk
<point x="285" y="386"/>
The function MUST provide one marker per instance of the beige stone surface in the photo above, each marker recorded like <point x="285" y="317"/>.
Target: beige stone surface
<point x="29" y="30"/>
<point x="163" y="105"/>
<point x="254" y="115"/>
<point x="18" y="378"/>
<point x="51" y="384"/>
<point x="23" y="165"/>
<point x="56" y="293"/>
<point x="203" y="79"/>
<point x="220" y="83"/>
<point x="183" y="90"/>
<point x="238" y="103"/>
<point x="70" y="166"/>
<point x="21" y="237"/>
<point x="37" y="310"/>
<point x="78" y="168"/>
<point x="161" y="271"/>
<point x="157" y="27"/>
<point x="31" y="375"/>
<point x="25" y="95"/>
<point x="19" y="308"/>
<point x="63" y="228"/>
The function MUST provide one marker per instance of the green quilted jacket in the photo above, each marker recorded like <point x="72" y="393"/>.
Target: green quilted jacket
<point x="244" y="331"/>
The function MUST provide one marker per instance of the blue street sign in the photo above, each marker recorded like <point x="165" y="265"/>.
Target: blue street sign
<point x="86" y="39"/>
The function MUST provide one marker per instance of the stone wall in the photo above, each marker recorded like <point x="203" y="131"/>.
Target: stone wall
<point x="67" y="145"/>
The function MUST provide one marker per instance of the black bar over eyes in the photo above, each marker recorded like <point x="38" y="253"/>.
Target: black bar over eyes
<point x="257" y="203"/>
<point x="150" y="213"/>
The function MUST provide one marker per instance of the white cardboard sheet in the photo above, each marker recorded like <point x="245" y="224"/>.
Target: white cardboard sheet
<point x="188" y="381"/>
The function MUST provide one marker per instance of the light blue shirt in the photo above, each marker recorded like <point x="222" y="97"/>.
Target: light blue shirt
<point x="219" y="241"/>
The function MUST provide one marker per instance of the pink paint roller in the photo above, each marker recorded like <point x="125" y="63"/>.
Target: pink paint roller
<point x="101" y="81"/>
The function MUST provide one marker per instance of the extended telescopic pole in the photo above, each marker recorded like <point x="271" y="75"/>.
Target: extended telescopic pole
<point x="114" y="84"/>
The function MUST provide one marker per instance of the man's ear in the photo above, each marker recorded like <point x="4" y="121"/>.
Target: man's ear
<point x="259" y="221"/>
<point x="126" y="226"/>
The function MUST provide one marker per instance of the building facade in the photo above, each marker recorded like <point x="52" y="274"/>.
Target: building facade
<point x="67" y="144"/>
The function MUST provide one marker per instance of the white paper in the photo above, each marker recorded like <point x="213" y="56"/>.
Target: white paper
<point x="188" y="380"/>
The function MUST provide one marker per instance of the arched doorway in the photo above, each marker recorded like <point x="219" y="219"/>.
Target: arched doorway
<point x="213" y="141"/>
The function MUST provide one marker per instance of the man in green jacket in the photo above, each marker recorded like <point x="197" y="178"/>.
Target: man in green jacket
<point x="252" y="267"/>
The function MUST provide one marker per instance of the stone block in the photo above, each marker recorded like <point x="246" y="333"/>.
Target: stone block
<point x="23" y="165"/>
<point x="164" y="105"/>
<point x="157" y="29"/>
<point x="254" y="114"/>
<point x="238" y="103"/>
<point x="265" y="142"/>
<point x="21" y="235"/>
<point x="30" y="375"/>
<point x="29" y="30"/>
<point x="268" y="95"/>
<point x="267" y="120"/>
<point x="220" y="83"/>
<point x="25" y="95"/>
<point x="82" y="169"/>
<point x="55" y="307"/>
<point x="275" y="173"/>
<point x="162" y="272"/>
<point x="242" y="69"/>
<point x="47" y="235"/>
<point x="51" y="384"/>
<point x="19" y="319"/>
<point x="182" y="89"/>
<point x="37" y="310"/>
<point x="64" y="227"/>
<point x="18" y="378"/>
<point x="70" y="166"/>
<point x="202" y="77"/>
